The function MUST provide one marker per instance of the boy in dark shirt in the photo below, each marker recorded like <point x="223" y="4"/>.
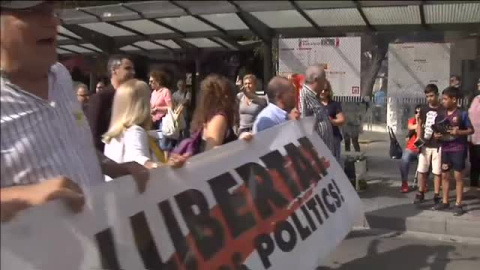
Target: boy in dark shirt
<point x="454" y="148"/>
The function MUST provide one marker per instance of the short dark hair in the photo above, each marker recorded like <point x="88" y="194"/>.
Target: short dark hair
<point x="458" y="78"/>
<point x="115" y="61"/>
<point x="451" y="92"/>
<point x="276" y="88"/>
<point x="431" y="88"/>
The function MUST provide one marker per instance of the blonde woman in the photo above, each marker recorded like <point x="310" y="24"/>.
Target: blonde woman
<point x="127" y="139"/>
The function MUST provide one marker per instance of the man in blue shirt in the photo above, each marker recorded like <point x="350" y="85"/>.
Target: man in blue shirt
<point x="281" y="94"/>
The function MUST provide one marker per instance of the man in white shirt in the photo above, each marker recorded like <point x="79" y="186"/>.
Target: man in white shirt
<point x="47" y="149"/>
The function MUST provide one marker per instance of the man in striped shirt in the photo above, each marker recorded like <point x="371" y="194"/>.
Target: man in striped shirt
<point x="310" y="105"/>
<point x="47" y="150"/>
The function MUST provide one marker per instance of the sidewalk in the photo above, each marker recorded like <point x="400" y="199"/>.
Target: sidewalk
<point x="386" y="208"/>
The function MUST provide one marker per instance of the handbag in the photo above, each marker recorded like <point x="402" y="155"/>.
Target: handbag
<point x="172" y="123"/>
<point x="395" y="149"/>
<point x="190" y="145"/>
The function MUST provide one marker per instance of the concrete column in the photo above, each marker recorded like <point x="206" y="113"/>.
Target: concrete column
<point x="196" y="79"/>
<point x="93" y="81"/>
<point x="267" y="62"/>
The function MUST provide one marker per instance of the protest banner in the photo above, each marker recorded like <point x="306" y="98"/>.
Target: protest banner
<point x="280" y="201"/>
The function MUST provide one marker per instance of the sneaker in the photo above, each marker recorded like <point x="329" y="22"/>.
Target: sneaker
<point x="458" y="210"/>
<point x="441" y="207"/>
<point x="419" y="198"/>
<point x="437" y="199"/>
<point x="405" y="188"/>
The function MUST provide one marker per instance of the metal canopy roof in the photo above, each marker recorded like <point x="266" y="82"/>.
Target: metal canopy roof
<point x="177" y="25"/>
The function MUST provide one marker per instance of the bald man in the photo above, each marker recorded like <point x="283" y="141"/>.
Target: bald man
<point x="281" y="108"/>
<point x="310" y="105"/>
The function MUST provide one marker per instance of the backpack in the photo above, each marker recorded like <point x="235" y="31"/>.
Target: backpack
<point x="395" y="149"/>
<point x="189" y="145"/>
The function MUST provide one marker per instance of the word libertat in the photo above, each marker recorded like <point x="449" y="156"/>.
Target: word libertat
<point x="275" y="207"/>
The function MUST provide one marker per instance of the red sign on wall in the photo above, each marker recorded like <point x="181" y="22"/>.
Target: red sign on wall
<point x="355" y="90"/>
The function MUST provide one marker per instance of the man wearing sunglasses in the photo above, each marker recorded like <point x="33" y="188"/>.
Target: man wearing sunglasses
<point x="46" y="145"/>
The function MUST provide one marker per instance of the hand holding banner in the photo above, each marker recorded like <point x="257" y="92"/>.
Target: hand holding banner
<point x="279" y="201"/>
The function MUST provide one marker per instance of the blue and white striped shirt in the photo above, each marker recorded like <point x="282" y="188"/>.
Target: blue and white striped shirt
<point x="310" y="105"/>
<point x="42" y="139"/>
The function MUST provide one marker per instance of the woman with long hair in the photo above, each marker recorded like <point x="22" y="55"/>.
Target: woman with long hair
<point x="127" y="139"/>
<point x="250" y="104"/>
<point x="216" y="112"/>
<point x="160" y="102"/>
<point x="213" y="120"/>
<point x="335" y="113"/>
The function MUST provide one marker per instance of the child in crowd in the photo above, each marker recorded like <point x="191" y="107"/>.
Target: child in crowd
<point x="454" y="148"/>
<point x="430" y="154"/>
<point x="411" y="151"/>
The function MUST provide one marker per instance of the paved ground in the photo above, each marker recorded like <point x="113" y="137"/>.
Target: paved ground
<point x="385" y="207"/>
<point x="366" y="249"/>
<point x="415" y="238"/>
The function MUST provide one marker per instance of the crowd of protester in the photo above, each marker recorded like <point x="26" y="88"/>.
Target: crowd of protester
<point x="112" y="138"/>
<point x="52" y="150"/>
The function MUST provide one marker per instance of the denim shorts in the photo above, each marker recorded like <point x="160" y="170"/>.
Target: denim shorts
<point x="454" y="160"/>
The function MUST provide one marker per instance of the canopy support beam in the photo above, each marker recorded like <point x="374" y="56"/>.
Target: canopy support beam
<point x="305" y="16"/>
<point x="422" y="15"/>
<point x="224" y="34"/>
<point x="261" y="30"/>
<point x="364" y="17"/>
<point x="103" y="42"/>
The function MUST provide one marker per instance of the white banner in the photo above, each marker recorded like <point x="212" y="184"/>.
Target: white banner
<point x="339" y="55"/>
<point x="411" y="66"/>
<point x="280" y="201"/>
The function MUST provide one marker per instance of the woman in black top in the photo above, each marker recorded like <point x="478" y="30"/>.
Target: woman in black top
<point x="337" y="118"/>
